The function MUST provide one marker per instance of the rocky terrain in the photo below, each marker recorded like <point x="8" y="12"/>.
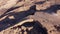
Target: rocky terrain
<point x="29" y="16"/>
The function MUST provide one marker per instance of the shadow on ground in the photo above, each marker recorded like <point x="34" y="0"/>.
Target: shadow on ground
<point x="18" y="17"/>
<point x="6" y="23"/>
<point x="37" y="28"/>
<point x="51" y="9"/>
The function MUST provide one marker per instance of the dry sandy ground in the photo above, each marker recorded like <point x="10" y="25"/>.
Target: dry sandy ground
<point x="46" y="16"/>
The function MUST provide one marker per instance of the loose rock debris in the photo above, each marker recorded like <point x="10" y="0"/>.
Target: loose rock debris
<point x="29" y="16"/>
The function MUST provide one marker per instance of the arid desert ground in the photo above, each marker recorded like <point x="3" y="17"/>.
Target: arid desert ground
<point x="29" y="16"/>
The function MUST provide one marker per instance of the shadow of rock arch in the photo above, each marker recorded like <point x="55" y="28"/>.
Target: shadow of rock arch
<point x="51" y="9"/>
<point x="18" y="17"/>
<point x="37" y="28"/>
